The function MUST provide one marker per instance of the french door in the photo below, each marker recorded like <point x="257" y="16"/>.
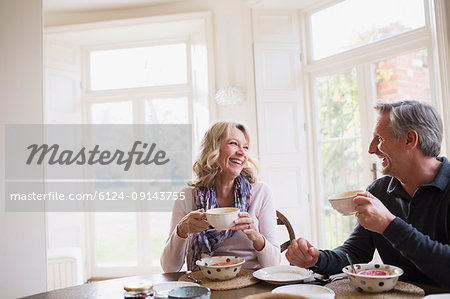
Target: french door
<point x="344" y="118"/>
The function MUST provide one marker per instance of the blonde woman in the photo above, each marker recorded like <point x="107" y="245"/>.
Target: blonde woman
<point x="224" y="177"/>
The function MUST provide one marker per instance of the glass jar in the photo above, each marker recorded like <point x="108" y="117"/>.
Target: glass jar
<point x="141" y="290"/>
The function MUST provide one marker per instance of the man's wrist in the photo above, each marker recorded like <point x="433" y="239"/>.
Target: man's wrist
<point x="388" y="222"/>
<point x="317" y="266"/>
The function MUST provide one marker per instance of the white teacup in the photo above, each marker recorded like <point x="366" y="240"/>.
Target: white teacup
<point x="343" y="202"/>
<point x="222" y="218"/>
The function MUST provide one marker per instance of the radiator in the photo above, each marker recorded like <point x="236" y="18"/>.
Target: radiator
<point x="62" y="273"/>
<point x="63" y="268"/>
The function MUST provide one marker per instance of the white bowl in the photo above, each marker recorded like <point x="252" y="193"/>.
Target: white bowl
<point x="343" y="202"/>
<point x="162" y="289"/>
<point x="191" y="292"/>
<point x="220" y="272"/>
<point x="373" y="283"/>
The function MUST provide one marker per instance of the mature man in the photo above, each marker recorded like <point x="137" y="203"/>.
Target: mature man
<point x="405" y="214"/>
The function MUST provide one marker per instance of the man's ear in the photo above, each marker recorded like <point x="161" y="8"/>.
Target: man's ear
<point x="412" y="139"/>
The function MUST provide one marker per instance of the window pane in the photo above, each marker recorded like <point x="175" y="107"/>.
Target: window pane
<point x="341" y="166"/>
<point x="159" y="231"/>
<point x="138" y="67"/>
<point x="338" y="105"/>
<point x="167" y="111"/>
<point x="112" y="113"/>
<point x="353" y="23"/>
<point x="337" y="228"/>
<point x="340" y="146"/>
<point x="403" y="77"/>
<point x="115" y="239"/>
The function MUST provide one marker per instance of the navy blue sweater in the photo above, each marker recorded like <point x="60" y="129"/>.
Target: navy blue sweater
<point x="417" y="240"/>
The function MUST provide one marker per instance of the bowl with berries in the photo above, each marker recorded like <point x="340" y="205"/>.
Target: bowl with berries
<point x="220" y="267"/>
<point x="373" y="278"/>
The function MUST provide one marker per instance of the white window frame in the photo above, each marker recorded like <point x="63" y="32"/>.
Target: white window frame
<point x="137" y="96"/>
<point x="362" y="57"/>
<point x="194" y="29"/>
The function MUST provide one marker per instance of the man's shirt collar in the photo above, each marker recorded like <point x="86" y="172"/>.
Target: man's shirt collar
<point x="441" y="180"/>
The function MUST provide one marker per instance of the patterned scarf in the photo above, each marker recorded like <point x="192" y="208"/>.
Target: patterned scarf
<point x="209" y="240"/>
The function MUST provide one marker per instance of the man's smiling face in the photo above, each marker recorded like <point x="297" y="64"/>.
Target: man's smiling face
<point x="387" y="148"/>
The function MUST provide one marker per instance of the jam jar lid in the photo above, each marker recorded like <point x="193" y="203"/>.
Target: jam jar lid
<point x="140" y="286"/>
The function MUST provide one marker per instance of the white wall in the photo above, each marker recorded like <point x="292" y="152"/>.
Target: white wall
<point x="233" y="54"/>
<point x="22" y="235"/>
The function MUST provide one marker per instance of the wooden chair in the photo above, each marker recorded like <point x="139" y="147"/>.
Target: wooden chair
<point x="282" y="220"/>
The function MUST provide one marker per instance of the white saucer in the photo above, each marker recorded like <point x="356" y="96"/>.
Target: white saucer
<point x="162" y="289"/>
<point x="308" y="290"/>
<point x="283" y="274"/>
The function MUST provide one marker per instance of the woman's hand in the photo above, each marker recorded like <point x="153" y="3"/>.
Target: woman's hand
<point x="246" y="224"/>
<point x="192" y="223"/>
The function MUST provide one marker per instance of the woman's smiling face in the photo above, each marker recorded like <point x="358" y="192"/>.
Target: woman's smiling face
<point x="233" y="154"/>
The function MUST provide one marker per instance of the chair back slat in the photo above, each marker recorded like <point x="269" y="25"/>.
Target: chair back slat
<point x="282" y="220"/>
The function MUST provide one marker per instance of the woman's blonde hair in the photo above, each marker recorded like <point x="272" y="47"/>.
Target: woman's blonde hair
<point x="206" y="168"/>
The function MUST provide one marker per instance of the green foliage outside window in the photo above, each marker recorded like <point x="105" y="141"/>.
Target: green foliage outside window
<point x="340" y="146"/>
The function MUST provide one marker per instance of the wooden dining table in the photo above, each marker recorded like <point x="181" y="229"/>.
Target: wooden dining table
<point x="113" y="288"/>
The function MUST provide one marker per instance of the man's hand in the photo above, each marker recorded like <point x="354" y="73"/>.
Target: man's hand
<point x="371" y="212"/>
<point x="302" y="254"/>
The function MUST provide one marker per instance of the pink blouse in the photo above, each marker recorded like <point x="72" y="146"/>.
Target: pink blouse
<point x="262" y="210"/>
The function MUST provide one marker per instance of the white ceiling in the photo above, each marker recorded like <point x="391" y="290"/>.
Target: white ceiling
<point x="92" y="5"/>
<point x="89" y="5"/>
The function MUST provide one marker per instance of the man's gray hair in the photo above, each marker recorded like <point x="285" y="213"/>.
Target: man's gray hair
<point x="418" y="116"/>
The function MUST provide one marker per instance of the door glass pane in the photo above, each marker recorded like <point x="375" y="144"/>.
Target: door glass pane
<point x="138" y="67"/>
<point x="338" y="105"/>
<point x="341" y="165"/>
<point x="115" y="239"/>
<point x="340" y="146"/>
<point x="403" y="77"/>
<point x="353" y="23"/>
<point x="163" y="111"/>
<point x="167" y="111"/>
<point x="337" y="227"/>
